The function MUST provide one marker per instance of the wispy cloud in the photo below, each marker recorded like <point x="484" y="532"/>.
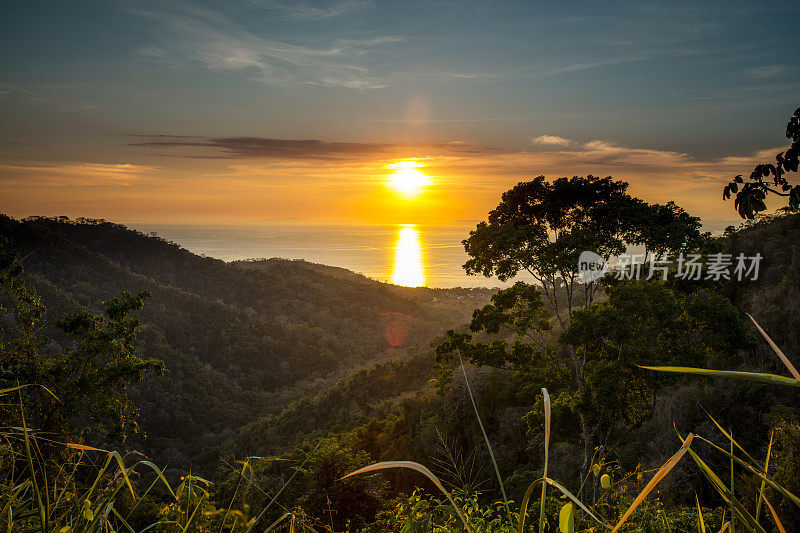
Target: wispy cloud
<point x="81" y="174"/>
<point x="551" y="140"/>
<point x="207" y="38"/>
<point x="290" y="149"/>
<point x="767" y="71"/>
<point x="18" y="93"/>
<point x="10" y="90"/>
<point x="258" y="147"/>
<point x="306" y="10"/>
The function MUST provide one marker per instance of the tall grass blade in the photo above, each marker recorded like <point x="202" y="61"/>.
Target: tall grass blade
<point x="523" y="510"/>
<point x="723" y="491"/>
<point x="733" y="520"/>
<point x="729" y="436"/>
<point x="701" y="524"/>
<point x="546" y="400"/>
<point x="274" y="498"/>
<point x="277" y="522"/>
<point x="763" y="482"/>
<point x="488" y="444"/>
<point x="245" y="464"/>
<point x="3" y="392"/>
<point x="84" y="448"/>
<point x="526" y="499"/>
<point x="775" y="516"/>
<point x="419" y="468"/>
<point x="160" y="476"/>
<point x="772" y="483"/>
<point x="191" y="518"/>
<point x="565" y="492"/>
<point x="770" y="379"/>
<point x="663" y="471"/>
<point x="10" y="498"/>
<point x="792" y="370"/>
<point x="40" y="505"/>
<point x="572" y="497"/>
<point x="122" y="520"/>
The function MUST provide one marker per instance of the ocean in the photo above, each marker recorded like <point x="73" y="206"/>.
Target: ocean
<point x="409" y="255"/>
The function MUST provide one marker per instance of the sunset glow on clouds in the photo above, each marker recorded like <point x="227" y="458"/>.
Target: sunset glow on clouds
<point x="248" y="112"/>
<point x="245" y="180"/>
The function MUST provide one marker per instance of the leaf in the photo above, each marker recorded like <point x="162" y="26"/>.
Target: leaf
<point x="83" y="447"/>
<point x="774" y="516"/>
<point x="792" y="370"/>
<point x="277" y="522"/>
<point x="3" y="392"/>
<point x="546" y="400"/>
<point x="701" y="525"/>
<point x="723" y="491"/>
<point x="419" y="468"/>
<point x="756" y="471"/>
<point x="766" y="469"/>
<point x="572" y="497"/>
<point x="566" y="518"/>
<point x="486" y="439"/>
<point x="770" y="379"/>
<point x="605" y="481"/>
<point x="663" y="471"/>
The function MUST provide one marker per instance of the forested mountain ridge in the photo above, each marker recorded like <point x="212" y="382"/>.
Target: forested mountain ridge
<point x="404" y="419"/>
<point x="774" y="298"/>
<point x="239" y="340"/>
<point x="276" y="358"/>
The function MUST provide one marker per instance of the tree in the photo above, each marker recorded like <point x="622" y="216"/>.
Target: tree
<point x="89" y="378"/>
<point x="542" y="228"/>
<point x="644" y="323"/>
<point x="338" y="502"/>
<point x="768" y="178"/>
<point x="601" y="387"/>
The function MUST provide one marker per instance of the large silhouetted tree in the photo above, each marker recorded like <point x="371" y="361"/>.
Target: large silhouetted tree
<point x="541" y="228"/>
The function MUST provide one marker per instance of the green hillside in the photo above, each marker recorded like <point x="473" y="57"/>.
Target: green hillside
<point x="240" y="340"/>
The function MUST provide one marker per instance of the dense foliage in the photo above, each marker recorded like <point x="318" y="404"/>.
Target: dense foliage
<point x="239" y="341"/>
<point x="247" y="439"/>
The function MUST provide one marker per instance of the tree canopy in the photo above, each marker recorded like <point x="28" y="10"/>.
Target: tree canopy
<point x="90" y="378"/>
<point x="542" y="227"/>
<point x="769" y="178"/>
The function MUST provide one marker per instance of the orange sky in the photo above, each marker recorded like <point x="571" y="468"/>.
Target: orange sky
<point x="253" y="112"/>
<point x="465" y="183"/>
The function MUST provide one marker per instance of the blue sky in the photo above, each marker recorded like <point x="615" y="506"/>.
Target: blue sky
<point x="98" y="86"/>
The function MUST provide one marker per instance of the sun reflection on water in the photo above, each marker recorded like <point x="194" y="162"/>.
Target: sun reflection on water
<point x="409" y="265"/>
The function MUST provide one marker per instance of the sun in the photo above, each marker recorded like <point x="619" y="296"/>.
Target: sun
<point x="407" y="179"/>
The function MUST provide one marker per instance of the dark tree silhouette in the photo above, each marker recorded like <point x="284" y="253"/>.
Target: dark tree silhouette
<point x="768" y="178"/>
<point x="542" y="227"/>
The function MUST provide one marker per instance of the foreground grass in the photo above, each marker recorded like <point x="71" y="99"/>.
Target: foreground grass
<point x="46" y="487"/>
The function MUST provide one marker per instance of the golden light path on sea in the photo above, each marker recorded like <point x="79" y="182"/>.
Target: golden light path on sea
<point x="408" y="268"/>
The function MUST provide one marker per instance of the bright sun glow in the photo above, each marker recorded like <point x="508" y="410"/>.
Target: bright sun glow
<point x="408" y="269"/>
<point x="407" y="179"/>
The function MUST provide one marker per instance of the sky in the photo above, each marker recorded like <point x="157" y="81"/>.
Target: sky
<point x="257" y="111"/>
